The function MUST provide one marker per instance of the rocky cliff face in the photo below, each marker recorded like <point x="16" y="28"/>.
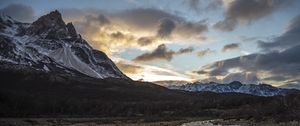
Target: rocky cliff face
<point x="49" y="45"/>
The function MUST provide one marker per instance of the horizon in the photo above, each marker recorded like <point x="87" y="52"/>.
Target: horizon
<point x="194" y="40"/>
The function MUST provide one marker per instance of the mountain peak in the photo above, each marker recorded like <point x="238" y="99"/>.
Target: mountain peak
<point x="236" y="82"/>
<point x="51" y="19"/>
<point x="71" y="30"/>
<point x="50" y="25"/>
<point x="55" y="13"/>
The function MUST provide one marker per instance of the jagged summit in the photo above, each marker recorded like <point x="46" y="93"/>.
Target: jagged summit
<point x="52" y="26"/>
<point x="71" y="30"/>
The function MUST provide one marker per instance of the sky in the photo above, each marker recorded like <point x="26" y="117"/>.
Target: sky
<point x="252" y="41"/>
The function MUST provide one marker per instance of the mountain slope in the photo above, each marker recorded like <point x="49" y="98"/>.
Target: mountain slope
<point x="235" y="86"/>
<point x="49" y="44"/>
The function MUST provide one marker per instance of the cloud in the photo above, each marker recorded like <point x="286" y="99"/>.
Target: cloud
<point x="199" y="6"/>
<point x="202" y="53"/>
<point x="147" y="72"/>
<point x="251" y="39"/>
<point x="214" y="5"/>
<point x="161" y="23"/>
<point x="142" y="28"/>
<point x="162" y="53"/>
<point x="185" y="50"/>
<point x="245" y="77"/>
<point x="276" y="78"/>
<point x="284" y="64"/>
<point x="129" y="68"/>
<point x="166" y="27"/>
<point x="100" y="31"/>
<point x="247" y="11"/>
<point x="144" y="18"/>
<point x="288" y="39"/>
<point x="191" y="30"/>
<point x="19" y="12"/>
<point x="231" y="46"/>
<point x="92" y="23"/>
<point x="107" y="34"/>
<point x="194" y="5"/>
<point x="144" y="41"/>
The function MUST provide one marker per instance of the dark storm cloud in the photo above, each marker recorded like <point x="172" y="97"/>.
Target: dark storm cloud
<point x="162" y="53"/>
<point x="144" y="41"/>
<point x="231" y="46"/>
<point x="278" y="64"/>
<point x="191" y="29"/>
<point x="185" y="50"/>
<point x="149" y="19"/>
<point x="247" y="11"/>
<point x="202" y="53"/>
<point x="102" y="19"/>
<point x="201" y="72"/>
<point x="166" y="27"/>
<point x="117" y="35"/>
<point x="19" y="12"/>
<point x="290" y="38"/>
<point x="221" y="68"/>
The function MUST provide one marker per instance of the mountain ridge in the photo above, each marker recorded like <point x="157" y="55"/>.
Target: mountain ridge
<point x="235" y="86"/>
<point x="48" y="43"/>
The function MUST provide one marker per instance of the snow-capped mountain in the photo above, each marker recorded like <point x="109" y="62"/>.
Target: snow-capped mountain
<point x="235" y="86"/>
<point x="50" y="45"/>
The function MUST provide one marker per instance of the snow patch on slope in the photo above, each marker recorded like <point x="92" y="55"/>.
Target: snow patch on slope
<point x="67" y="58"/>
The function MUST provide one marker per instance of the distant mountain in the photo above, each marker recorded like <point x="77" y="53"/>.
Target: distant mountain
<point x="235" y="86"/>
<point x="49" y="45"/>
<point x="290" y="86"/>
